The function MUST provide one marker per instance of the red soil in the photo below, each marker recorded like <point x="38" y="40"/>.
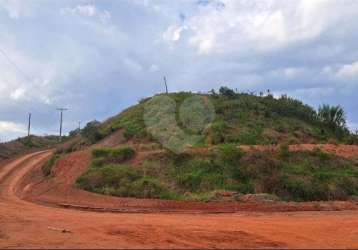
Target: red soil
<point x="30" y="215"/>
<point x="24" y="224"/>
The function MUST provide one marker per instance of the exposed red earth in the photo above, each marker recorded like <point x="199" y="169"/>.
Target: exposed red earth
<point x="33" y="213"/>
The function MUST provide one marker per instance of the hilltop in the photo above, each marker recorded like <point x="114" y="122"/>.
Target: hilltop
<point x="243" y="118"/>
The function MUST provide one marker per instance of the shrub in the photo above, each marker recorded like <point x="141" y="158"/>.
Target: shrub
<point x="284" y="150"/>
<point x="320" y="154"/>
<point x="130" y="130"/>
<point x="149" y="187"/>
<point x="122" y="180"/>
<point x="91" y="132"/>
<point x="218" y="130"/>
<point x="47" y="166"/>
<point x="229" y="153"/>
<point x="101" y="152"/>
<point x="114" y="155"/>
<point x="122" y="154"/>
<point x="225" y="91"/>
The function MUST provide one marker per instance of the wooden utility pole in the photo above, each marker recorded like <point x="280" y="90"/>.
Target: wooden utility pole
<point x="61" y="119"/>
<point x="79" y="126"/>
<point x="166" y="86"/>
<point x="29" y="126"/>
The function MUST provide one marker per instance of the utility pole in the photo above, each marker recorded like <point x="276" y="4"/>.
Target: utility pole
<point x="166" y="86"/>
<point x="79" y="126"/>
<point x="61" y="119"/>
<point x="29" y="126"/>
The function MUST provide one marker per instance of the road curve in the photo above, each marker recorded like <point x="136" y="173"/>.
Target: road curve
<point x="24" y="224"/>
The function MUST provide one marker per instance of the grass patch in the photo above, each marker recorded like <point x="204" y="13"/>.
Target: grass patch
<point x="112" y="155"/>
<point x="123" y="180"/>
<point x="292" y="176"/>
<point x="47" y="166"/>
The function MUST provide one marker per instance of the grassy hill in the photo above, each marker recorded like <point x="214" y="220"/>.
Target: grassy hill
<point x="242" y="118"/>
<point x="214" y="163"/>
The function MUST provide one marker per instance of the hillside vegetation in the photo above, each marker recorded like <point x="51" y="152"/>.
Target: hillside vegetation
<point x="215" y="164"/>
<point x="298" y="176"/>
<point x="26" y="144"/>
<point x="243" y="118"/>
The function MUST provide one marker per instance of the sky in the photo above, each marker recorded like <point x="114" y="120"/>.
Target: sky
<point x="98" y="57"/>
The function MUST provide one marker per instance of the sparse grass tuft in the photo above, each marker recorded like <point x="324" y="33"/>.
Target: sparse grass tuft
<point x="47" y="166"/>
<point x="113" y="155"/>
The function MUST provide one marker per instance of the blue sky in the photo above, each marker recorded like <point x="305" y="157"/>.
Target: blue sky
<point x="98" y="57"/>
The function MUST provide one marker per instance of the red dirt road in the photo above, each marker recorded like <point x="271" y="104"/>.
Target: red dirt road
<point x="24" y="224"/>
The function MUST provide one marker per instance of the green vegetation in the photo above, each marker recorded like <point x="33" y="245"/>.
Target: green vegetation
<point x="104" y="155"/>
<point x="240" y="118"/>
<point x="298" y="176"/>
<point x="333" y="117"/>
<point x="108" y="176"/>
<point x="25" y="145"/>
<point x="91" y="132"/>
<point x="47" y="166"/>
<point x="244" y="118"/>
<point x="122" y="180"/>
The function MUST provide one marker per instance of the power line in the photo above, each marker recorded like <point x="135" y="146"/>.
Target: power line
<point x="10" y="61"/>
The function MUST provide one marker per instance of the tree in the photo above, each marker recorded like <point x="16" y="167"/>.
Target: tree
<point x="91" y="131"/>
<point x="227" y="91"/>
<point x="333" y="116"/>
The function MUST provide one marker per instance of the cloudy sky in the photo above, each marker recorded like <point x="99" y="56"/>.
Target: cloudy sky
<point x="98" y="57"/>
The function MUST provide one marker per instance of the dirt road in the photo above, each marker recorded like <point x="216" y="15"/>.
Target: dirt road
<point x="24" y="224"/>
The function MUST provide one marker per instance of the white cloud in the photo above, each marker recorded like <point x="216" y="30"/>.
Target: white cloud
<point x="172" y="34"/>
<point x="14" y="8"/>
<point x="153" y="68"/>
<point x="241" y="25"/>
<point x="87" y="10"/>
<point x="290" y="72"/>
<point x="343" y="73"/>
<point x="6" y="126"/>
<point x="348" y="70"/>
<point x="18" y="93"/>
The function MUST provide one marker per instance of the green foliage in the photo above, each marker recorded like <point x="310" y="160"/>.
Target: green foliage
<point x="91" y="132"/>
<point x="284" y="150"/>
<point x="225" y="91"/>
<point x="112" y="155"/>
<point x="101" y="152"/>
<point x="299" y="176"/>
<point x="25" y="144"/>
<point x="239" y="118"/>
<point x="229" y="154"/>
<point x="122" y="180"/>
<point x="107" y="176"/>
<point x="47" y="166"/>
<point x="334" y="118"/>
<point x="218" y="131"/>
<point x="130" y="120"/>
<point x="318" y="176"/>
